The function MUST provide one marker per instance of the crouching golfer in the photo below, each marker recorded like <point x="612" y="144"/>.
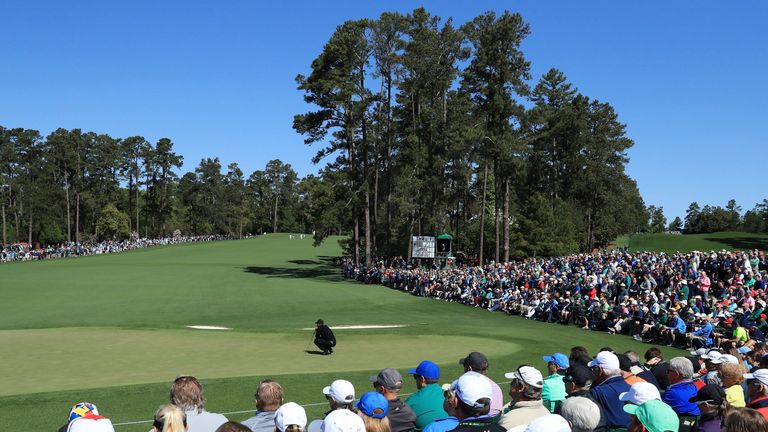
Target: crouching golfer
<point x="324" y="338"/>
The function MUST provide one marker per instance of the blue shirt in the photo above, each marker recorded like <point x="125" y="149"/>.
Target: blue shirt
<point x="677" y="396"/>
<point x="606" y="395"/>
<point x="679" y="326"/>
<point x="442" y="425"/>
<point x="704" y="332"/>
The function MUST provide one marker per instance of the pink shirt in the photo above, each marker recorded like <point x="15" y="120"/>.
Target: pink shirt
<point x="704" y="283"/>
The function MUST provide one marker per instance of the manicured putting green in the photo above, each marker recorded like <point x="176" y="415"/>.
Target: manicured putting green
<point x="113" y="357"/>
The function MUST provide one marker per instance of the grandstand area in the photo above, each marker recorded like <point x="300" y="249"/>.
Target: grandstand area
<point x="113" y="330"/>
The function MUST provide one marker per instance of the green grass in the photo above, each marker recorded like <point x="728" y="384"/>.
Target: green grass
<point x="112" y="330"/>
<point x="701" y="242"/>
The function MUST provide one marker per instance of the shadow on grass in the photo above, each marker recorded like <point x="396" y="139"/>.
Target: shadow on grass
<point x="741" y="243"/>
<point x="314" y="352"/>
<point x="324" y="269"/>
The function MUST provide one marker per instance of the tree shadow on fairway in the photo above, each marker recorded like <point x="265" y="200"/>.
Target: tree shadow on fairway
<point x="741" y="243"/>
<point x="306" y="269"/>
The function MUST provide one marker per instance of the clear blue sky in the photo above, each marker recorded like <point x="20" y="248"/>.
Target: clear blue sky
<point x="217" y="77"/>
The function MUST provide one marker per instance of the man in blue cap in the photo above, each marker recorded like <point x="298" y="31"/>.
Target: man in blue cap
<point x="553" y="394"/>
<point x="427" y="402"/>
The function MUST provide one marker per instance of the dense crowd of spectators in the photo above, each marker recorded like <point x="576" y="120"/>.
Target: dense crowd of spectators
<point x="690" y="300"/>
<point x="712" y="391"/>
<point x="23" y="251"/>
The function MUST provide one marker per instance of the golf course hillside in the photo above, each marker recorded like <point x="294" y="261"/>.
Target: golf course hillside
<point x="671" y="243"/>
<point x="115" y="330"/>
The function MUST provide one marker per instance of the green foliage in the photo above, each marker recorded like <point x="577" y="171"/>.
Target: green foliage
<point x="51" y="233"/>
<point x="112" y="224"/>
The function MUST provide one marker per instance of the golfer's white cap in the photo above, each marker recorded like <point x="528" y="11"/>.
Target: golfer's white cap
<point x="640" y="393"/>
<point x="290" y="413"/>
<point x="605" y="360"/>
<point x="341" y="391"/>
<point x="342" y="420"/>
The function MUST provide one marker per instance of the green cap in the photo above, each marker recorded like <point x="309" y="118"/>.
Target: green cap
<point x="655" y="415"/>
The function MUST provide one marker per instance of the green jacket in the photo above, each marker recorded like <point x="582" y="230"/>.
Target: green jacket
<point x="427" y="403"/>
<point x="553" y="391"/>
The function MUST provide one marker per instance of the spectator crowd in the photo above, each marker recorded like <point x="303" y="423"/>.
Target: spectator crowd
<point x="23" y="251"/>
<point x="688" y="300"/>
<point x="713" y="390"/>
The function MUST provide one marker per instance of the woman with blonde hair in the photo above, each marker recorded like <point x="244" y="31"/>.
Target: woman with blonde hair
<point x="373" y="408"/>
<point x="169" y="418"/>
<point x="732" y="376"/>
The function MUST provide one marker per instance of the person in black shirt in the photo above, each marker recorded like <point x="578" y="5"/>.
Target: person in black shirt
<point x="324" y="338"/>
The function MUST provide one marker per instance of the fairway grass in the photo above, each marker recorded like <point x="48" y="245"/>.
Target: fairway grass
<point x="118" y="357"/>
<point x="701" y="242"/>
<point x="112" y="330"/>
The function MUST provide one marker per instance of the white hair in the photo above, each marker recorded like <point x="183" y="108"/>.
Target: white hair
<point x="682" y="366"/>
<point x="583" y="413"/>
<point x="610" y="373"/>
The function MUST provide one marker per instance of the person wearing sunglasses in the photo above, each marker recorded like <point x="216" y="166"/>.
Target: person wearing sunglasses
<point x="525" y="388"/>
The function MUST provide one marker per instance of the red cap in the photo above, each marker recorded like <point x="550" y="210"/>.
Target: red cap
<point x="729" y="321"/>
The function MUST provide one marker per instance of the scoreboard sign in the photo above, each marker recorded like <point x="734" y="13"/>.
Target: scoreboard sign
<point x="423" y="247"/>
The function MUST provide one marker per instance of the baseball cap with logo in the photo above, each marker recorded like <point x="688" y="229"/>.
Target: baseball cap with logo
<point x="373" y="404"/>
<point x="655" y="415"/>
<point x="341" y="391"/>
<point x="475" y="360"/>
<point x="560" y="359"/>
<point x="470" y="388"/>
<point x="760" y="375"/>
<point x="527" y="374"/>
<point x="290" y="413"/>
<point x="427" y="369"/>
<point x="342" y="420"/>
<point x="712" y="355"/>
<point x="389" y="378"/>
<point x="605" y="360"/>
<point x="640" y="393"/>
<point x="81" y="409"/>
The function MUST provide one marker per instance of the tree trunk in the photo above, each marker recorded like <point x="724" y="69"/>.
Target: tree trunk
<point x="274" y="223"/>
<point x="482" y="212"/>
<point x="77" y="217"/>
<point x="29" y="228"/>
<point x="69" y="212"/>
<point x="367" y="228"/>
<point x="130" y="201"/>
<point x="137" y="207"/>
<point x="5" y="231"/>
<point x="506" y="219"/>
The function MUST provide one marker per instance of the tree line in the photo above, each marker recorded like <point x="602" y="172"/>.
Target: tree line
<point x="426" y="126"/>
<point x="712" y="218"/>
<point x="80" y="186"/>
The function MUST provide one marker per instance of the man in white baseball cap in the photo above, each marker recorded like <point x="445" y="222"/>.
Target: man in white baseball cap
<point x="525" y="388"/>
<point x="342" y="420"/>
<point x="341" y="396"/>
<point x="469" y="400"/>
<point x="757" y="391"/>
<point x="610" y="384"/>
<point x="640" y="393"/>
<point x="290" y="417"/>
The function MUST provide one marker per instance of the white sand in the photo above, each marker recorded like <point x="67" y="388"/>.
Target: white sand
<point x="207" y="327"/>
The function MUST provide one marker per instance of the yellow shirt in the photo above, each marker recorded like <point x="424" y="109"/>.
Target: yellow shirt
<point x="740" y="334"/>
<point x="735" y="396"/>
